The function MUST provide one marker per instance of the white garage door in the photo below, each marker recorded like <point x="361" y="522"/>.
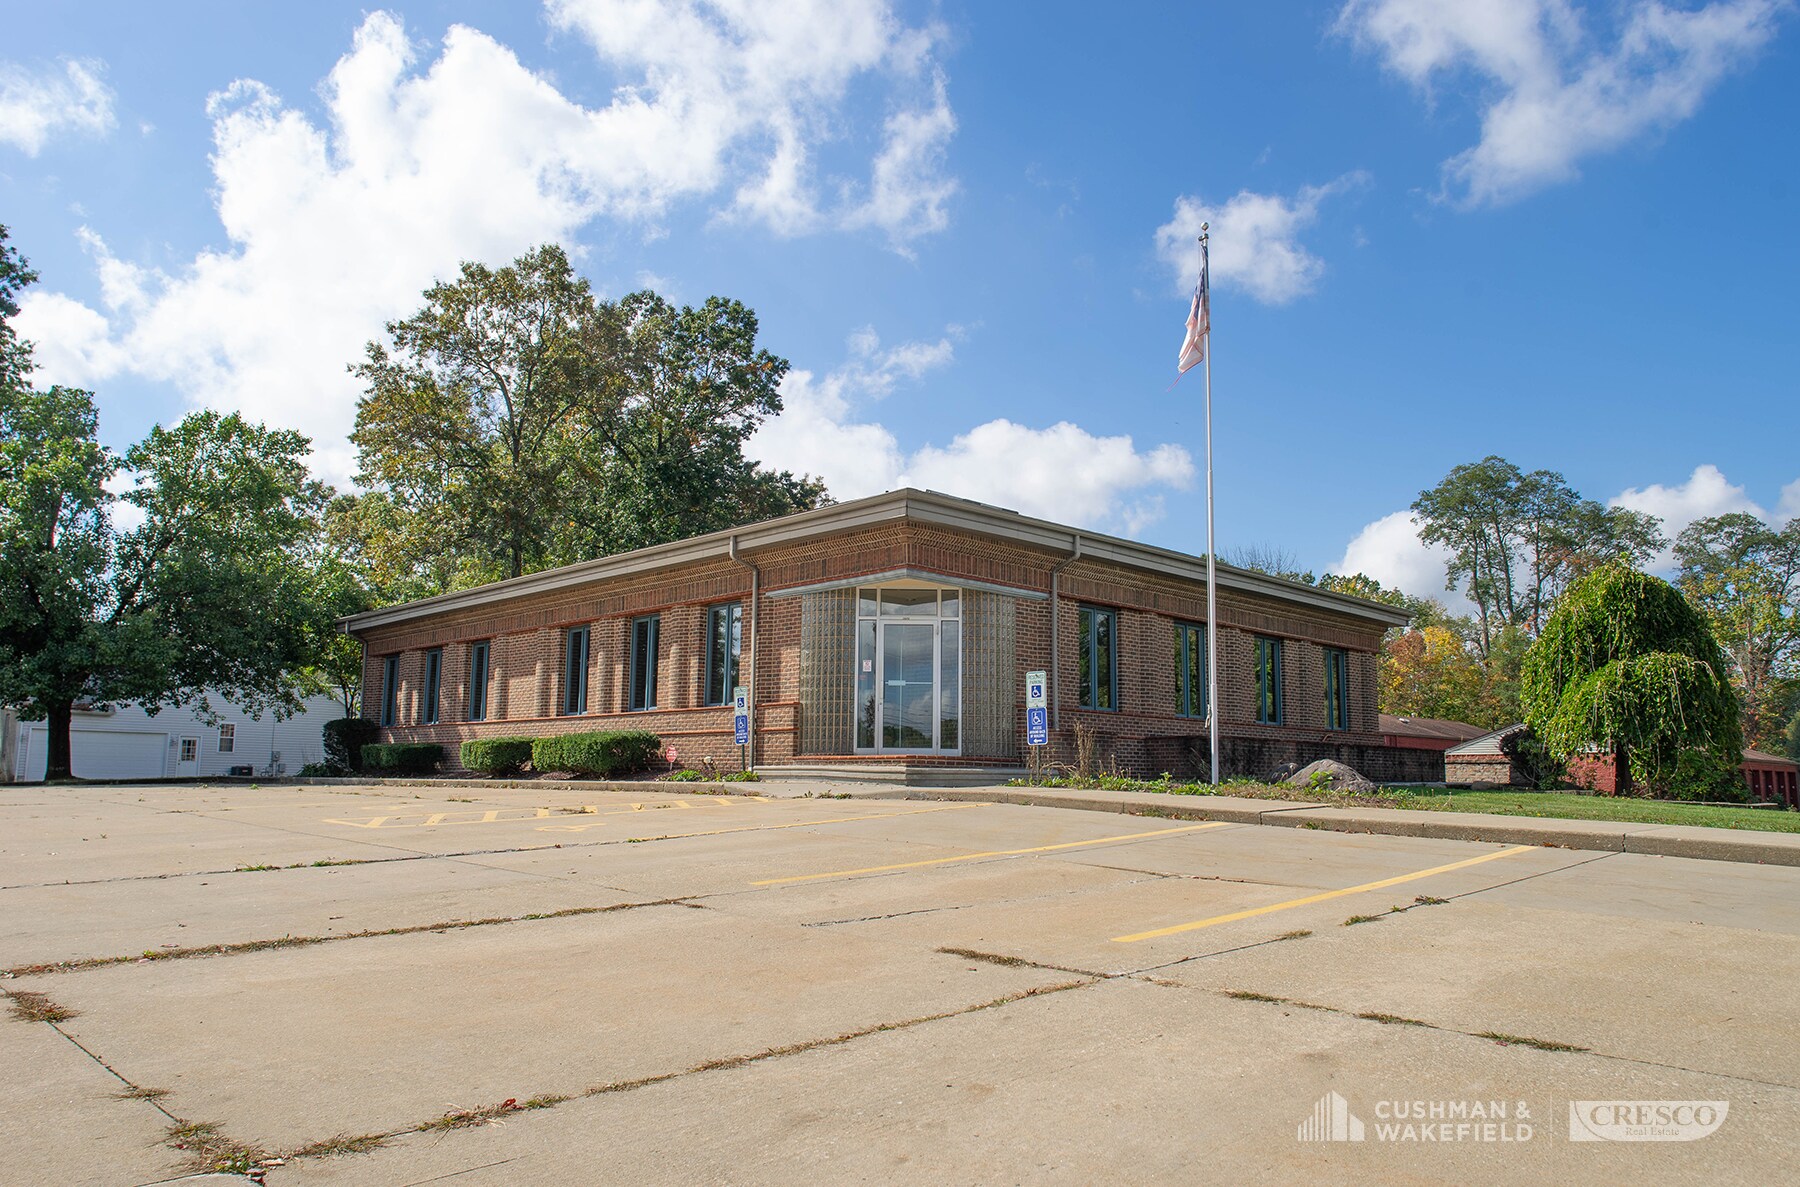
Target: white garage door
<point x="100" y="754"/>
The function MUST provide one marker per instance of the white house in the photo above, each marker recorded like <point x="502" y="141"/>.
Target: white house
<point x="125" y="742"/>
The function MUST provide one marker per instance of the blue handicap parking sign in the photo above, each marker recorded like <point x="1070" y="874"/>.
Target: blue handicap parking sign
<point x="1037" y="727"/>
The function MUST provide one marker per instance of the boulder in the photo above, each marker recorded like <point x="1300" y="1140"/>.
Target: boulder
<point x="1332" y="775"/>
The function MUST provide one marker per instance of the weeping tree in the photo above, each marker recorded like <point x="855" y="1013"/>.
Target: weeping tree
<point x="1625" y="666"/>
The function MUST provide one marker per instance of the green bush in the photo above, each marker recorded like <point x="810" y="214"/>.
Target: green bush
<point x="613" y="752"/>
<point x="401" y="758"/>
<point x="345" y="738"/>
<point x="688" y="775"/>
<point x="496" y="756"/>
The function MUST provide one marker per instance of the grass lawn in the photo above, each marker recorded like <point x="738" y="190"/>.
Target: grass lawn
<point x="1600" y="807"/>
<point x="1546" y="804"/>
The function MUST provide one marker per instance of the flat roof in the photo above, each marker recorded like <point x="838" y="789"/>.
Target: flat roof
<point x="918" y="506"/>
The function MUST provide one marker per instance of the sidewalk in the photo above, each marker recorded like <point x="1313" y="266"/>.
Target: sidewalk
<point x="1610" y="836"/>
<point x="1665" y="840"/>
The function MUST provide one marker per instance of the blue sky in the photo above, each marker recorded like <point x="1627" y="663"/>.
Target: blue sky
<point x="1442" y="229"/>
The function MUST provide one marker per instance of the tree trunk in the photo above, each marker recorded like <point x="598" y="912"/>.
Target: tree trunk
<point x="1621" y="770"/>
<point x="58" y="765"/>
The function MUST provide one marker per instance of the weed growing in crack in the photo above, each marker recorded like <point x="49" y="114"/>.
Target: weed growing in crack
<point x="208" y="1150"/>
<point x="137" y="1093"/>
<point x="1391" y="1019"/>
<point x="37" y="1007"/>
<point x="339" y="1145"/>
<point x="1356" y="919"/>
<point x="151" y="954"/>
<point x="1506" y="1040"/>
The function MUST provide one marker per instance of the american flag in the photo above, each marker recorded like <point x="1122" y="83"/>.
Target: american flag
<point x="1193" y="347"/>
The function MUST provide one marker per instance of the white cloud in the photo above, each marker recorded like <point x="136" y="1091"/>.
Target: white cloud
<point x="1707" y="492"/>
<point x="71" y="343"/>
<point x="335" y="227"/>
<point x="1789" y="506"/>
<point x="1554" y="92"/>
<point x="1254" y="241"/>
<point x="1390" y="551"/>
<point x="37" y="104"/>
<point x="1061" y="472"/>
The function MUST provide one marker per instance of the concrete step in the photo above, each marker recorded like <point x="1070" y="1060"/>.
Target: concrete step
<point x="901" y="774"/>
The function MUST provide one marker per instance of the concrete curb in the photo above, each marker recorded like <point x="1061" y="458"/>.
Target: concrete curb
<point x="1605" y="836"/>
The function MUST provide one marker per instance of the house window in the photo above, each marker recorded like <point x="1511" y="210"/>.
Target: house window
<point x="190" y="749"/>
<point x="478" y="681"/>
<point x="1268" y="681"/>
<point x="575" y="670"/>
<point x="434" y="682"/>
<point x="390" y="689"/>
<point x="1098" y="669"/>
<point x="227" y="738"/>
<point x="724" y="643"/>
<point x="1337" y="689"/>
<point x="1190" y="670"/>
<point x="643" y="662"/>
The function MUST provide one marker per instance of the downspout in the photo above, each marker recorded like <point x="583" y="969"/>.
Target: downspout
<point x="1055" y="631"/>
<point x="750" y="683"/>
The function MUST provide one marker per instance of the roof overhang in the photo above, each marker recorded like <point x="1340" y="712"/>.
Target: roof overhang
<point x="917" y="506"/>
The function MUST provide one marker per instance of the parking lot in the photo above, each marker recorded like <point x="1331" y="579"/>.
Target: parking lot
<point x="497" y="986"/>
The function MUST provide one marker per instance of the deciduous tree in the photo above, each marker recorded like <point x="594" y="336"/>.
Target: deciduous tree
<point x="1517" y="540"/>
<point x="206" y="596"/>
<point x="1626" y="666"/>
<point x="1745" y="577"/>
<point x="518" y="422"/>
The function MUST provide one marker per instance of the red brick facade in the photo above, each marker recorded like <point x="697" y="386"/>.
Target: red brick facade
<point x="526" y="623"/>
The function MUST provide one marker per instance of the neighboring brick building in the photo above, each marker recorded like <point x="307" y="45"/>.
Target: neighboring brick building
<point x="895" y="631"/>
<point x="1767" y="777"/>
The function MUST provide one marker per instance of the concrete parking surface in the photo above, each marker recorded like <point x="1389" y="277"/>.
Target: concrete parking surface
<point x="389" y="985"/>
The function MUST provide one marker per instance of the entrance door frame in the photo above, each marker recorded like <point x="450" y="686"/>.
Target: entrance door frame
<point x="935" y="620"/>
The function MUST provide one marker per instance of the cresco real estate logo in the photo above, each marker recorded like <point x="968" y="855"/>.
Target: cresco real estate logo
<point x="1644" y="1120"/>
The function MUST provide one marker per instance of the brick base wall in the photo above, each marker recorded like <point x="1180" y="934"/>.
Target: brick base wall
<point x="1480" y="768"/>
<point x="1257" y="758"/>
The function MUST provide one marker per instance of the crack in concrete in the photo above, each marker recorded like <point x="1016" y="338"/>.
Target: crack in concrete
<point x="1376" y="1019"/>
<point x="208" y="951"/>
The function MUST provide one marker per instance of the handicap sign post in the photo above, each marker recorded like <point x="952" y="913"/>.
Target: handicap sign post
<point x="1037" y="712"/>
<point x="740" y="719"/>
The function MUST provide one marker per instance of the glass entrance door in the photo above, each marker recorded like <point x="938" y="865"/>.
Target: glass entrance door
<point x="908" y="671"/>
<point x="909" y="686"/>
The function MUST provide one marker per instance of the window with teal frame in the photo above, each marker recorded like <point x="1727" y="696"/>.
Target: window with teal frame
<point x="1190" y="670"/>
<point x="1337" y="689"/>
<point x="1268" y="681"/>
<point x="1097" y="665"/>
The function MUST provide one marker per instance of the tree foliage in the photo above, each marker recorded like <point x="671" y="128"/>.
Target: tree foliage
<point x="208" y="595"/>
<point x="1625" y="665"/>
<point x="518" y="422"/>
<point x="1518" y="540"/>
<point x="1744" y="576"/>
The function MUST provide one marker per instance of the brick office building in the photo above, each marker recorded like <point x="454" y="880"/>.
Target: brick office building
<point x="892" y="634"/>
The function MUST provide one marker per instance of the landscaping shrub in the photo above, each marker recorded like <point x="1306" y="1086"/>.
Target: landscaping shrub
<point x="401" y="758"/>
<point x="613" y="752"/>
<point x="1532" y="763"/>
<point x="496" y="756"/>
<point x="345" y="738"/>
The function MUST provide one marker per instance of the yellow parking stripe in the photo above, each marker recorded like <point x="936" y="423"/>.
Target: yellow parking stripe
<point x="938" y="861"/>
<point x="1319" y="898"/>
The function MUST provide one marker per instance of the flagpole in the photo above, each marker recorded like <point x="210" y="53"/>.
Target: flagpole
<point x="1212" y="585"/>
